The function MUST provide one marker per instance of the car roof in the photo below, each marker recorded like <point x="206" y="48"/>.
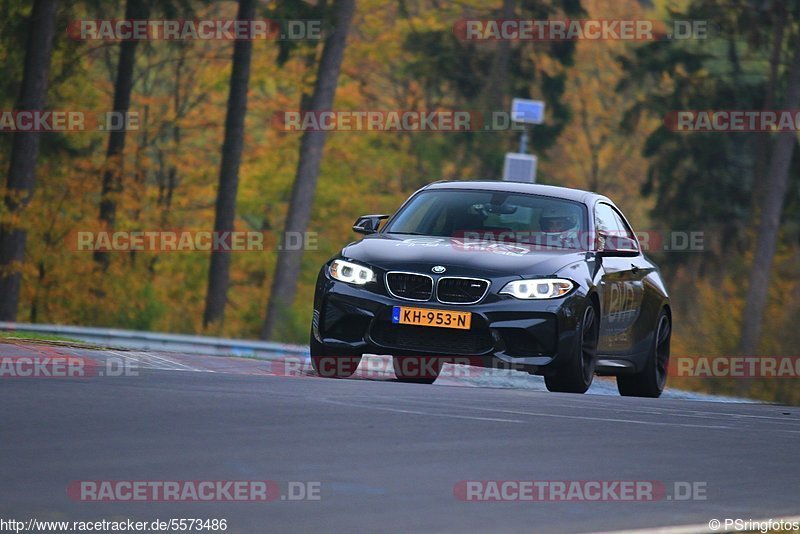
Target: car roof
<point x="567" y="193"/>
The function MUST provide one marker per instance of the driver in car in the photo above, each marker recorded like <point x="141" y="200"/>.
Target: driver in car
<point x="560" y="227"/>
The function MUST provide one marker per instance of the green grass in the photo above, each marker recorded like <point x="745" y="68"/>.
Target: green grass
<point x="36" y="336"/>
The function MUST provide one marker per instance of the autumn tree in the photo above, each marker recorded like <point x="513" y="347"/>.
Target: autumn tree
<point x="218" y="274"/>
<point x="772" y="207"/>
<point x="459" y="73"/>
<point x="21" y="178"/>
<point x="111" y="186"/>
<point x="593" y="152"/>
<point x="284" y="283"/>
<point x="707" y="180"/>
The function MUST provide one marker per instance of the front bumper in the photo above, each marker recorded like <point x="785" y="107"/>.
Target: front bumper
<point x="529" y="334"/>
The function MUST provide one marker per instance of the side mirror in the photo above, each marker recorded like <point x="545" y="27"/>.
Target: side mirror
<point x="368" y="224"/>
<point x="616" y="245"/>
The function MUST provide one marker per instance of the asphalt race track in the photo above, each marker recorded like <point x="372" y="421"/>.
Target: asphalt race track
<point x="385" y="456"/>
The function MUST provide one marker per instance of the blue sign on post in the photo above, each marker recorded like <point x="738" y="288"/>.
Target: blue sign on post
<point x="527" y="111"/>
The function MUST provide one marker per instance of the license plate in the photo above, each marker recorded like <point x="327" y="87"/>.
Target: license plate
<point x="428" y="317"/>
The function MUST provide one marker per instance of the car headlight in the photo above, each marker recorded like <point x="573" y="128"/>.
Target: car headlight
<point x="542" y="288"/>
<point x="350" y="272"/>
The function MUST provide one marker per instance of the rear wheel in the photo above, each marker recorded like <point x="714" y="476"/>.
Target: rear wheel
<point x="417" y="369"/>
<point x="330" y="363"/>
<point x="650" y="381"/>
<point x="576" y="377"/>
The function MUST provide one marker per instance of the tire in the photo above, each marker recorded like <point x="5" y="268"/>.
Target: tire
<point x="330" y="363"/>
<point x="417" y="369"/>
<point x="650" y="381"/>
<point x="577" y="376"/>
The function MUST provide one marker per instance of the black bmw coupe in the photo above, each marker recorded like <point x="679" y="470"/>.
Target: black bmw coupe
<point x="543" y="279"/>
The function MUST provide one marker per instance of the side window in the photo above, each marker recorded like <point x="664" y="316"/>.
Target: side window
<point x="609" y="221"/>
<point x="623" y="228"/>
<point x="605" y="220"/>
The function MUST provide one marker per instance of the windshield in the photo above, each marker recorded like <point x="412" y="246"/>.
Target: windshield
<point x="493" y="216"/>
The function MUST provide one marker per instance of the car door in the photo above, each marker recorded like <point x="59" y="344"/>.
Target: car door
<point x="641" y="328"/>
<point x="621" y="286"/>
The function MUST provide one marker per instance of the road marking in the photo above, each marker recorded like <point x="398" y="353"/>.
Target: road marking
<point x="675" y="412"/>
<point x="602" y="419"/>
<point x="537" y="414"/>
<point x="414" y="412"/>
<point x="151" y="361"/>
<point x="168" y="361"/>
<point x="698" y="528"/>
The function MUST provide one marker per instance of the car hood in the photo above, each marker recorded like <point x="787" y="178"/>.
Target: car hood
<point x="459" y="257"/>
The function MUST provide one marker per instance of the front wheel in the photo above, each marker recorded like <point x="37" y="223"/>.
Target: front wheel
<point x="576" y="377"/>
<point x="330" y="363"/>
<point x="417" y="369"/>
<point x="650" y="381"/>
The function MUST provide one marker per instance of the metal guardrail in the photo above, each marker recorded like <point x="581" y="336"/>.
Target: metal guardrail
<point x="156" y="341"/>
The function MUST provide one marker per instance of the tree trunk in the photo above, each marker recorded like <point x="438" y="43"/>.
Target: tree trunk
<point x="229" y="170"/>
<point x="496" y="93"/>
<point x="779" y="18"/>
<point x="112" y="175"/>
<point x="766" y="240"/>
<point x="284" y="283"/>
<point x="496" y="87"/>
<point x="24" y="152"/>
